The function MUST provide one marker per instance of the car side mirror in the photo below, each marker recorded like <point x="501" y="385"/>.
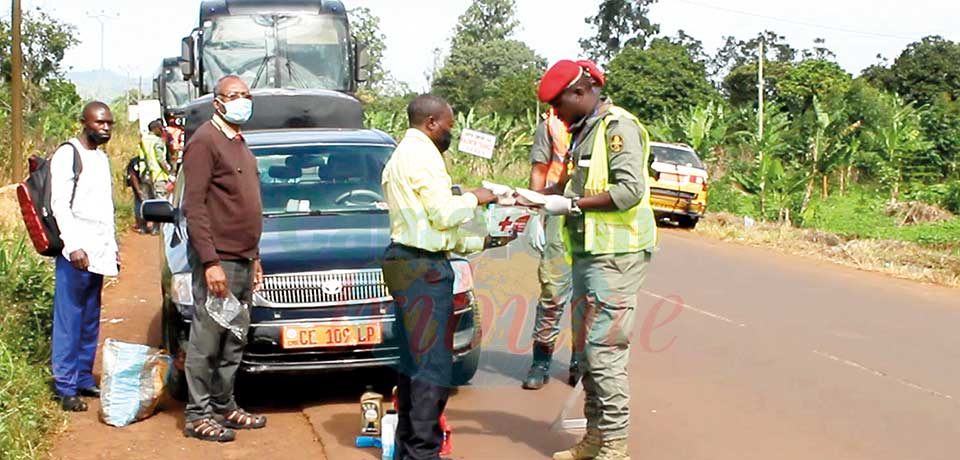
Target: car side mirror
<point x="159" y="211"/>
<point x="456" y="190"/>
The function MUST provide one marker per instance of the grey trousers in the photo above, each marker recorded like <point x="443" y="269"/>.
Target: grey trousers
<point x="214" y="353"/>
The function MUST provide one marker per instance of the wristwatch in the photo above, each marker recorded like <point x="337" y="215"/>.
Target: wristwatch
<point x="575" y="206"/>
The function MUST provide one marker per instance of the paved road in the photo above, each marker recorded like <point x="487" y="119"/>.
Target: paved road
<point x="742" y="353"/>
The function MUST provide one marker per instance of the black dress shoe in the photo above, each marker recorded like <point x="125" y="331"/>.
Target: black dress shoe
<point x="73" y="404"/>
<point x="90" y="392"/>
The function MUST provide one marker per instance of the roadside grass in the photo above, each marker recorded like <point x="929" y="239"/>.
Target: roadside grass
<point x="861" y="215"/>
<point x="938" y="264"/>
<point x="27" y="410"/>
<point x="28" y="413"/>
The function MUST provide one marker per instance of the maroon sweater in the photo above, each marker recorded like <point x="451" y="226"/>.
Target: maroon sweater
<point x="221" y="198"/>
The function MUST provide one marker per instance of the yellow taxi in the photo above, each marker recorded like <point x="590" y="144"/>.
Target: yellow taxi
<point x="678" y="183"/>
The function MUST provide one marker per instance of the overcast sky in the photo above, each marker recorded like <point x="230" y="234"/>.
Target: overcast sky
<point x="140" y="33"/>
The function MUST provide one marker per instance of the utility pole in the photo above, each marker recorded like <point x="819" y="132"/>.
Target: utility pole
<point x="102" y="17"/>
<point x="16" y="96"/>
<point x="760" y="88"/>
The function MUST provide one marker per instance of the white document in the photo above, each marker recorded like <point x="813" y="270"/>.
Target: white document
<point x="531" y="196"/>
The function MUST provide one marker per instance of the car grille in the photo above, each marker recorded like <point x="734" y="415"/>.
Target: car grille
<point x="319" y="289"/>
<point x="672" y="193"/>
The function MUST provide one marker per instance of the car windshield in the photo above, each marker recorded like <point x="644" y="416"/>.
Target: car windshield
<point x="176" y="89"/>
<point x="321" y="179"/>
<point x="675" y="155"/>
<point x="277" y="51"/>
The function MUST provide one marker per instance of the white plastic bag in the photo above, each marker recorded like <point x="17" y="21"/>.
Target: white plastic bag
<point x="134" y="377"/>
<point x="226" y="312"/>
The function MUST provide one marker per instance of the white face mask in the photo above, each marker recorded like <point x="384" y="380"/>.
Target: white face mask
<point x="237" y="111"/>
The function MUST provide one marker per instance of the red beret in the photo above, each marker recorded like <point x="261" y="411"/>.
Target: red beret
<point x="594" y="71"/>
<point x="558" y="78"/>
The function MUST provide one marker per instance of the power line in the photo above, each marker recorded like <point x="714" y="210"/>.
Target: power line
<point x="799" y="23"/>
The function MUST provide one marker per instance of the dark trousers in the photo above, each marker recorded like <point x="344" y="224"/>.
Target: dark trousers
<point x="76" y="325"/>
<point x="214" y="353"/>
<point x="421" y="284"/>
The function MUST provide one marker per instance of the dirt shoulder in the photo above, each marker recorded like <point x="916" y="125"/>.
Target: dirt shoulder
<point x="131" y="312"/>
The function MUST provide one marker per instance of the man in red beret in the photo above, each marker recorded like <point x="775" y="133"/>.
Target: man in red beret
<point x="548" y="156"/>
<point x="611" y="236"/>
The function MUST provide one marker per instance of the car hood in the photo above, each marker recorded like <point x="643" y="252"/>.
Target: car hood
<point x="319" y="243"/>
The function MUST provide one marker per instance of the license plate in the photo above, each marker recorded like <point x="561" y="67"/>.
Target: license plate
<point x="335" y="335"/>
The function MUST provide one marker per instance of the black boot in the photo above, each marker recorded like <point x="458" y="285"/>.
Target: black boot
<point x="575" y="373"/>
<point x="540" y="369"/>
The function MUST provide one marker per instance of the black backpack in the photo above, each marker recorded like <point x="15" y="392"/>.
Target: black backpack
<point x="34" y="197"/>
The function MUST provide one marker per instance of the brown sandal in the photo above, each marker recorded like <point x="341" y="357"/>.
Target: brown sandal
<point x="240" y="419"/>
<point x="209" y="430"/>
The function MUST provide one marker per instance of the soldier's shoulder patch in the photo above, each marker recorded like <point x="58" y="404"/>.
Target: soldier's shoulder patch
<point x="616" y="143"/>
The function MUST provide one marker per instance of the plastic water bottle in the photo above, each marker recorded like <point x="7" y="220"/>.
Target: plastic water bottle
<point x="388" y="430"/>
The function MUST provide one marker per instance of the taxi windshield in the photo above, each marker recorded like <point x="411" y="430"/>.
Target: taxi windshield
<point x="675" y="155"/>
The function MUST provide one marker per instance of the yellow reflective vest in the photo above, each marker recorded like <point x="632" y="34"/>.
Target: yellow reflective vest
<point x="623" y="231"/>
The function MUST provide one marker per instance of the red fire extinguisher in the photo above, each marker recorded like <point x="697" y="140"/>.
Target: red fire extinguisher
<point x="447" y="447"/>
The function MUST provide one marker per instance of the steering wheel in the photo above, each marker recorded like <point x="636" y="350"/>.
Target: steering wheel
<point x="345" y="198"/>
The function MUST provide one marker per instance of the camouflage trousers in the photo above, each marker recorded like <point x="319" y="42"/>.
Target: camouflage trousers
<point x="604" y="301"/>
<point x="555" y="283"/>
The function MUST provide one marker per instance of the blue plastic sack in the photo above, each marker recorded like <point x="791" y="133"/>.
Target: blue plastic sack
<point x="134" y="377"/>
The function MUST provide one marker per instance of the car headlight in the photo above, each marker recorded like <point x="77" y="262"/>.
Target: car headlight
<point x="181" y="288"/>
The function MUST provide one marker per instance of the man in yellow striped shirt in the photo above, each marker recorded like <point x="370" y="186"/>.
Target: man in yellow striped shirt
<point x="425" y="220"/>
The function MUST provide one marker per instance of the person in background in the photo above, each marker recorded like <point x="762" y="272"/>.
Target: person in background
<point x="548" y="157"/>
<point x="153" y="155"/>
<point x="132" y="174"/>
<point x="612" y="234"/>
<point x="85" y="217"/>
<point x="425" y="220"/>
<point x="174" y="138"/>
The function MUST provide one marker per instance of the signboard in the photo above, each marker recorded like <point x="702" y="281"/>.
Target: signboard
<point x="132" y="115"/>
<point x="148" y="111"/>
<point x="477" y="143"/>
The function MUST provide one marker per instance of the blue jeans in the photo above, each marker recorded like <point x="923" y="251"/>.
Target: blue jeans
<point x="76" y="325"/>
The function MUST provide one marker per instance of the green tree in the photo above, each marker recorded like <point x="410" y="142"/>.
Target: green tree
<point x="737" y="53"/>
<point x="901" y="149"/>
<point x="489" y="71"/>
<point x="941" y="124"/>
<point x="740" y="85"/>
<point x="486" y="21"/>
<point x="764" y="174"/>
<point x="705" y="128"/>
<point x="617" y="25"/>
<point x="809" y="80"/>
<point x="662" y="79"/>
<point x="927" y="69"/>
<point x="366" y="29"/>
<point x="45" y="40"/>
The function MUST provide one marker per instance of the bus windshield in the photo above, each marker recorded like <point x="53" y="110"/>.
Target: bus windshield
<point x="176" y="89"/>
<point x="278" y="51"/>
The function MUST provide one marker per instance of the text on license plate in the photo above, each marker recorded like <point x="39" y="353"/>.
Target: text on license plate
<point x="331" y="335"/>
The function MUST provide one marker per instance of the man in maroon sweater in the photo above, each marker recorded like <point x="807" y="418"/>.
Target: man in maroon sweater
<point x="221" y="203"/>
